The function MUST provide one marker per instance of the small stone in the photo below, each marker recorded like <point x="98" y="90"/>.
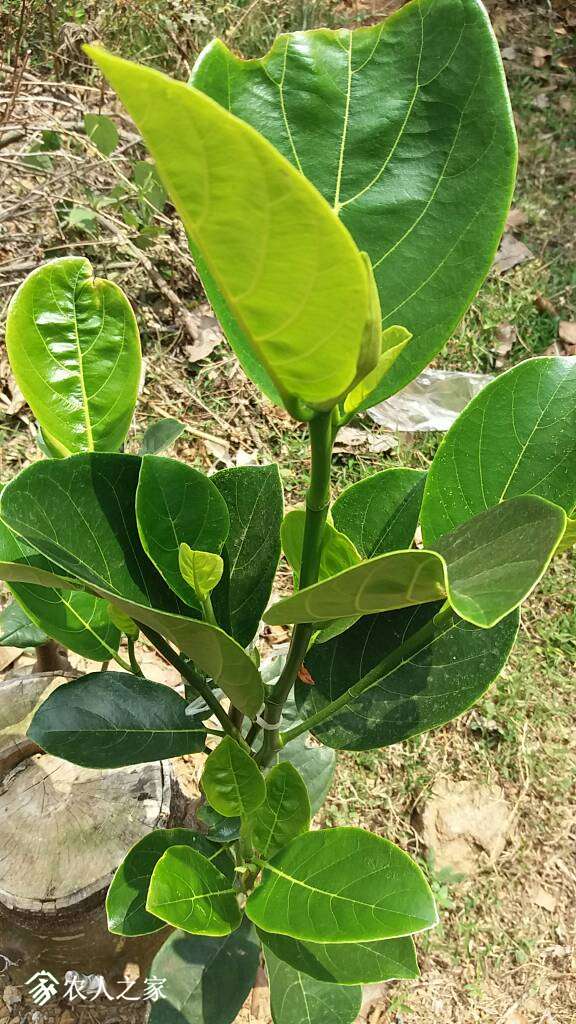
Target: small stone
<point x="11" y="996"/>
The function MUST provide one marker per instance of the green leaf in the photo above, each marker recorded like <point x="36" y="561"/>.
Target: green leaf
<point x="74" y="349"/>
<point x="207" y="979"/>
<point x="123" y="622"/>
<point x="338" y="552"/>
<point x="518" y="436"/>
<point x="176" y="504"/>
<point x="284" y="286"/>
<point x="113" y="719"/>
<point x="296" y="998"/>
<point x="220" y="828"/>
<point x="202" y="570"/>
<point x="151" y="188"/>
<point x="346" y="963"/>
<point x="380" y="514"/>
<point x="315" y="764"/>
<point x="406" y="129"/>
<point x="161" y="435"/>
<point x="102" y="131"/>
<point x="569" y="539"/>
<point x="486" y="568"/>
<point x="232" y="782"/>
<point x="17" y="629"/>
<point x="342" y="885"/>
<point x="284" y="814"/>
<point x="254" y="498"/>
<point x="52" y="503"/>
<point x="365" y="394"/>
<point x="451" y="673"/>
<point x="187" y="891"/>
<point x="126" y="899"/>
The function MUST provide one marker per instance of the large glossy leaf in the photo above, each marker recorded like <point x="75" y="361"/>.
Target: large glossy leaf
<point x="17" y="629"/>
<point x="254" y="498"/>
<point x="284" y="814"/>
<point x="295" y="281"/>
<point x="486" y="567"/>
<point x="455" y="667"/>
<point x="207" y="979"/>
<point x="518" y="436"/>
<point x="78" y="620"/>
<point x="232" y="782"/>
<point x="346" y="963"/>
<point x="126" y="899"/>
<point x="80" y="513"/>
<point x="380" y="514"/>
<point x="176" y="505"/>
<point x="337" y="553"/>
<point x="74" y="349"/>
<point x="112" y="719"/>
<point x="342" y="885"/>
<point x="406" y="129"/>
<point x="189" y="892"/>
<point x="295" y="998"/>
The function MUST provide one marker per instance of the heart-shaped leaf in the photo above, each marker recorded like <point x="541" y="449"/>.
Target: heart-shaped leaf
<point x="283" y="286"/>
<point x="176" y="504"/>
<point x="406" y="129"/>
<point x="284" y="814"/>
<point x="207" y="979"/>
<point x="189" y="892"/>
<point x="518" y="436"/>
<point x="126" y="899"/>
<point x="342" y="885"/>
<point x="455" y="667"/>
<point x="338" y="552"/>
<point x="231" y="780"/>
<point x="113" y="719"/>
<point x="74" y="350"/>
<point x="295" y="998"/>
<point x="346" y="963"/>
<point x="380" y="514"/>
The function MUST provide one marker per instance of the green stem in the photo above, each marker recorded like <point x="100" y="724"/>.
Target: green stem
<point x="322" y="432"/>
<point x="124" y="664"/>
<point x="190" y="674"/>
<point x="135" y="667"/>
<point x="390" y="663"/>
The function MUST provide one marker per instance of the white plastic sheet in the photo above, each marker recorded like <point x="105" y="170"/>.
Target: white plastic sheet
<point x="430" y="402"/>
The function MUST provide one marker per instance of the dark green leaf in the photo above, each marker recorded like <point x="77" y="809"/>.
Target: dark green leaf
<point x="254" y="498"/>
<point x="380" y="514"/>
<point x="126" y="900"/>
<point x="518" y="436"/>
<point x="207" y="979"/>
<point x="17" y="630"/>
<point x="176" y="504"/>
<point x="406" y="129"/>
<point x="232" y="782"/>
<point x="338" y="551"/>
<point x="342" y="885"/>
<point x="454" y="669"/>
<point x="296" y="998"/>
<point x="220" y="828"/>
<point x="315" y="764"/>
<point x="161" y="435"/>
<point x="346" y="963"/>
<point x="112" y="719"/>
<point x="284" y="814"/>
<point x="187" y="891"/>
<point x="102" y="131"/>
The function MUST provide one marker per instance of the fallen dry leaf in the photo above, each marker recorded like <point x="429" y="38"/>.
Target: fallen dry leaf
<point x="516" y="218"/>
<point x="540" y="56"/>
<point x="506" y="336"/>
<point x="567" y="333"/>
<point x="544" y="305"/>
<point x="509" y="53"/>
<point x="350" y="439"/>
<point x="516" y="1017"/>
<point x="541" y="101"/>
<point x="207" y="334"/>
<point x="511" y="252"/>
<point x="461" y="817"/>
<point x="543" y="899"/>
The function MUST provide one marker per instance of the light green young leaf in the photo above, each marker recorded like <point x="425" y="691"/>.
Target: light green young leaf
<point x="231" y="780"/>
<point x="74" y="349"/>
<point x="202" y="570"/>
<point x="123" y="622"/>
<point x="346" y="963"/>
<point x="365" y="394"/>
<point x="102" y="131"/>
<point x="188" y="891"/>
<point x="296" y="998"/>
<point x="569" y="539"/>
<point x="338" y="552"/>
<point x="284" y="814"/>
<point x="284" y="284"/>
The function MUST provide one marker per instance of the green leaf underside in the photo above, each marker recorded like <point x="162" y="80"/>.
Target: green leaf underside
<point x="113" y="719"/>
<point x="342" y="885"/>
<point x="195" y="968"/>
<point x="176" y="504"/>
<point x="161" y="435"/>
<point x="346" y="963"/>
<point x="17" y="629"/>
<point x="486" y="567"/>
<point x="126" y="899"/>
<point x="220" y="828"/>
<point x="422" y="178"/>
<point x="380" y="514"/>
<point x="518" y="436"/>
<point x="231" y="780"/>
<point x="80" y="513"/>
<point x="338" y="551"/>
<point x="187" y="891"/>
<point x="296" y="998"/>
<point x="74" y="349"/>
<point x="429" y="689"/>
<point x="284" y="287"/>
<point x="254" y="498"/>
<point x="285" y="812"/>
